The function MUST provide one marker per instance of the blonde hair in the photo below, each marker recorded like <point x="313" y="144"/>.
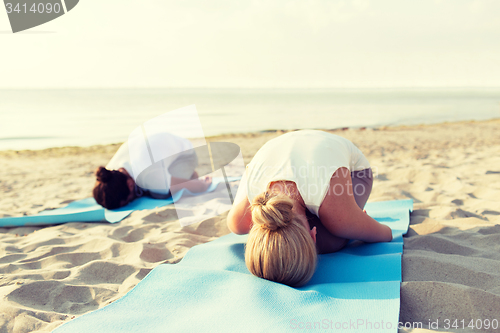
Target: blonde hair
<point x="279" y="247"/>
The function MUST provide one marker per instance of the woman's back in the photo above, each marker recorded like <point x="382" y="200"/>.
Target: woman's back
<point x="309" y="158"/>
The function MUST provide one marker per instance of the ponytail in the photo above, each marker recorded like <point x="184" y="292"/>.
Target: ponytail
<point x="279" y="247"/>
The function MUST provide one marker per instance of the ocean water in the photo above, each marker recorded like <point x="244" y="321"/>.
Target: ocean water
<point x="38" y="119"/>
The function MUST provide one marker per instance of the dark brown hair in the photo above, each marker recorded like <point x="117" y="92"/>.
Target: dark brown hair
<point x="111" y="188"/>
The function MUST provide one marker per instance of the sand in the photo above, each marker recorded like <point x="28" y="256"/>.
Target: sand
<point x="451" y="259"/>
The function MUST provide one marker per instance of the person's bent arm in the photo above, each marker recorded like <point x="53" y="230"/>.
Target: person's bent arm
<point x="239" y="219"/>
<point x="340" y="214"/>
<point x="193" y="185"/>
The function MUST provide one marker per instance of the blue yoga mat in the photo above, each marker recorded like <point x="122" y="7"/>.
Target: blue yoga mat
<point x="88" y="210"/>
<point x="211" y="290"/>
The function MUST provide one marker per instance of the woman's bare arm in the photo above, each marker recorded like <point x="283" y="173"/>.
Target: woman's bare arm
<point x="340" y="214"/>
<point x="239" y="219"/>
<point x="193" y="185"/>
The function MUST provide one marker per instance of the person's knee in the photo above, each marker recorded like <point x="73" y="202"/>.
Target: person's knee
<point x="366" y="175"/>
<point x="362" y="189"/>
<point x="362" y="182"/>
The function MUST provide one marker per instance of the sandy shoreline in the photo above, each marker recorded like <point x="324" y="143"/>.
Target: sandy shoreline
<point x="451" y="261"/>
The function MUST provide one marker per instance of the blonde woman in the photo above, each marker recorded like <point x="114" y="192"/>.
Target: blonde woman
<point x="292" y="181"/>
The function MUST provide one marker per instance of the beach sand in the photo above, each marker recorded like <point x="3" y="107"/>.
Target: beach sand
<point x="451" y="259"/>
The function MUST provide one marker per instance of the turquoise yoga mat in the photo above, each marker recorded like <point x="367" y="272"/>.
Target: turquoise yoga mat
<point x="211" y="290"/>
<point x="88" y="210"/>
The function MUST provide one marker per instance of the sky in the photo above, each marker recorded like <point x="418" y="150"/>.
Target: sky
<point x="258" y="44"/>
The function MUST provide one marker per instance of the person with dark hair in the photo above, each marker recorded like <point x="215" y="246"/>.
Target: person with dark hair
<point x="116" y="185"/>
<point x="113" y="188"/>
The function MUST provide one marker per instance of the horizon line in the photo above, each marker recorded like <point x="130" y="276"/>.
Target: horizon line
<point x="253" y="88"/>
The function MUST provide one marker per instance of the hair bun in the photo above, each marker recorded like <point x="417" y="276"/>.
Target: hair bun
<point x="103" y="175"/>
<point x="272" y="211"/>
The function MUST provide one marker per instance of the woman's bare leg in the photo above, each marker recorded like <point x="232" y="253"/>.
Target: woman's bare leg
<point x="362" y="182"/>
<point x="325" y="241"/>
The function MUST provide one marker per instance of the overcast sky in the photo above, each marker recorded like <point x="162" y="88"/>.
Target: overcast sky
<point x="263" y="43"/>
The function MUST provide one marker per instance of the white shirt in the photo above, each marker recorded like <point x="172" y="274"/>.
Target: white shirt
<point x="155" y="177"/>
<point x="309" y="158"/>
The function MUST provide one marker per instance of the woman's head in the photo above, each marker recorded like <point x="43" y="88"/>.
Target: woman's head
<point x="279" y="247"/>
<point x="112" y="188"/>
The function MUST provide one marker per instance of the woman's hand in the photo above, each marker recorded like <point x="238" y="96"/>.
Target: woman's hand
<point x="207" y="181"/>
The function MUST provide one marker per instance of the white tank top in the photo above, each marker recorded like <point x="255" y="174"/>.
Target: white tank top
<point x="163" y="146"/>
<point x="309" y="158"/>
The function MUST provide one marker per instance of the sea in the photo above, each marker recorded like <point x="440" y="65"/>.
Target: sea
<point x="42" y="118"/>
